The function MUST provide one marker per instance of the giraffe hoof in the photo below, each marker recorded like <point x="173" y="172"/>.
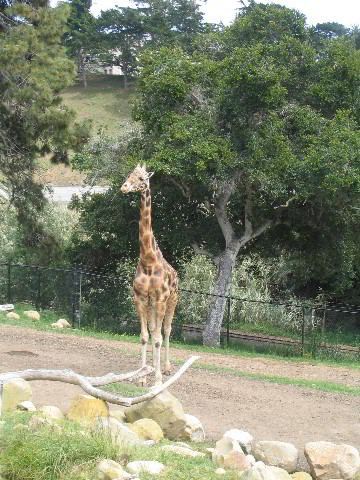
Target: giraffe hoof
<point x="167" y="371"/>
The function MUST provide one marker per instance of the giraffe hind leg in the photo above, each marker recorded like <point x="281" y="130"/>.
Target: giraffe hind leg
<point x="169" y="314"/>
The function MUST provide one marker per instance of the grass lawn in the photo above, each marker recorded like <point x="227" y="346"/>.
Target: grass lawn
<point x="106" y="103"/>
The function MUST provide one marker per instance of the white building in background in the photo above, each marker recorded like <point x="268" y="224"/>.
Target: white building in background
<point x="113" y="70"/>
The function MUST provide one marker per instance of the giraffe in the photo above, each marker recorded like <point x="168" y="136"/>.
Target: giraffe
<point x="155" y="286"/>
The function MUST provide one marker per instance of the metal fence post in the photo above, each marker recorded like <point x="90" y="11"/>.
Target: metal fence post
<point x="38" y="294"/>
<point x="9" y="283"/>
<point x="73" y="297"/>
<point x="228" y="322"/>
<point x="303" y="332"/>
<point x="79" y="301"/>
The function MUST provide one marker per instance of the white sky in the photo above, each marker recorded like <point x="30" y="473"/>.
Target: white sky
<point x="346" y="12"/>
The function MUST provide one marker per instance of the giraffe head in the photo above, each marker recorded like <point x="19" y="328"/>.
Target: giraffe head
<point x="138" y="180"/>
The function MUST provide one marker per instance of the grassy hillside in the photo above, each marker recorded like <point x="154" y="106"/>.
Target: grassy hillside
<point x="106" y="103"/>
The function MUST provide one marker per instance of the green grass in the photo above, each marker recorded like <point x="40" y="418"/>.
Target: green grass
<point x="313" y="384"/>
<point x="105" y="102"/>
<point x="46" y="454"/>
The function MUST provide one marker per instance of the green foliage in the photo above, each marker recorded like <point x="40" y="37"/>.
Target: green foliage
<point x="34" y="70"/>
<point x="56" y="223"/>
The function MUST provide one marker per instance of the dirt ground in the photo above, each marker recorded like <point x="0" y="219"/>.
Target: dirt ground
<point x="221" y="401"/>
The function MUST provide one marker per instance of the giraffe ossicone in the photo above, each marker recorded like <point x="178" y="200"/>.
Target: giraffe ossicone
<point x="155" y="286"/>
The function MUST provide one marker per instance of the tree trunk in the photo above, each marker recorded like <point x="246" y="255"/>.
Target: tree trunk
<point x="222" y="287"/>
<point x="82" y="68"/>
<point x="125" y="72"/>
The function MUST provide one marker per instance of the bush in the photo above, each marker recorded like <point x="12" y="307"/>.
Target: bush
<point x="252" y="301"/>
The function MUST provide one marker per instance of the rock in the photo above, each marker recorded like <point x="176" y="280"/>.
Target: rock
<point x="13" y="316"/>
<point x="220" y="471"/>
<point x="118" y="414"/>
<point x="183" y="444"/>
<point x="277" y="454"/>
<point x="151" y="467"/>
<point x="301" y="476"/>
<point x="57" y="325"/>
<point x="244" y="439"/>
<point x="108" y="470"/>
<point x="64" y="323"/>
<point x="193" y="431"/>
<point x="259" y="471"/>
<point x="118" y="432"/>
<point x="26" y="406"/>
<point x="32" y="314"/>
<point x="330" y="461"/>
<point x="147" y="429"/>
<point x="251" y="459"/>
<point x="228" y="454"/>
<point x="61" y="323"/>
<point x="85" y="409"/>
<point x="148" y="443"/>
<point x="16" y="390"/>
<point x="187" y="452"/>
<point x="51" y="412"/>
<point x="37" y="422"/>
<point x="165" y="409"/>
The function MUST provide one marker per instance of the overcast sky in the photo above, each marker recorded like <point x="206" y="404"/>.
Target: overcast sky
<point x="346" y="12"/>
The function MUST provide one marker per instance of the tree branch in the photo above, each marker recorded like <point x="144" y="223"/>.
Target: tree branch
<point x="88" y="384"/>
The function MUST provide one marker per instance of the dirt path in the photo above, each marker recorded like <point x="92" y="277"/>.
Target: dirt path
<point x="220" y="400"/>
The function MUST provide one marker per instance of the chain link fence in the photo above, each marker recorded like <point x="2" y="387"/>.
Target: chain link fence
<point x="103" y="302"/>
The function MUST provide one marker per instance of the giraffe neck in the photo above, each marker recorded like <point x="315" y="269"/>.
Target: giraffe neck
<point x="146" y="236"/>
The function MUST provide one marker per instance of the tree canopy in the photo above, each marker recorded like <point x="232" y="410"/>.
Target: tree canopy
<point x="258" y="127"/>
<point x="34" y="70"/>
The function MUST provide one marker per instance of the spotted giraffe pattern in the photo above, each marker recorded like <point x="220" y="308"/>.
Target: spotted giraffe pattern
<point x="155" y="286"/>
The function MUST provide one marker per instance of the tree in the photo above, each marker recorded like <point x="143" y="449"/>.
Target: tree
<point x="80" y="37"/>
<point x="121" y="33"/>
<point x="262" y="131"/>
<point x="34" y="70"/>
<point x="170" y="22"/>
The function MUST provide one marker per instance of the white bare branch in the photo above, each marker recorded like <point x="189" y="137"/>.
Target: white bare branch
<point x="89" y="384"/>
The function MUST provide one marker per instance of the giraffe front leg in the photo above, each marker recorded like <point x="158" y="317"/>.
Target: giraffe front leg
<point x="144" y="336"/>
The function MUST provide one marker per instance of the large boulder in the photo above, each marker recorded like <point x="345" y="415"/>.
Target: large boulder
<point x="16" y="390"/>
<point x="244" y="439"/>
<point x="185" y="451"/>
<point x="26" y="406"/>
<point x="147" y="429"/>
<point x="118" y="433"/>
<point x="259" y="471"/>
<point x="32" y="314"/>
<point x="301" y="476"/>
<point x="143" y="466"/>
<point x="165" y="409"/>
<point x="108" y="470"/>
<point x="193" y="431"/>
<point x="85" y="409"/>
<point x="277" y="454"/>
<point x="228" y="454"/>
<point x="13" y="316"/>
<point x="51" y="412"/>
<point x="328" y="460"/>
